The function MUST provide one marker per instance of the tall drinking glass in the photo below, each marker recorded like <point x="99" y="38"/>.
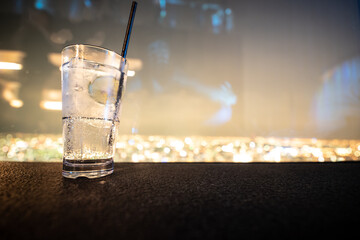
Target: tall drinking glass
<point x="90" y="79"/>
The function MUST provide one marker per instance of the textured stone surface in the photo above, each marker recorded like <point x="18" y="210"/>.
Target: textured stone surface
<point x="181" y="201"/>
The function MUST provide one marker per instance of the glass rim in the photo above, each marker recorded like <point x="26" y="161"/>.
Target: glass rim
<point x="91" y="47"/>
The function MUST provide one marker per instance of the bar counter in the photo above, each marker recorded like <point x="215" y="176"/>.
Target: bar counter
<point x="181" y="201"/>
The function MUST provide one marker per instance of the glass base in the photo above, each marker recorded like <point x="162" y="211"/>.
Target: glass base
<point x="94" y="168"/>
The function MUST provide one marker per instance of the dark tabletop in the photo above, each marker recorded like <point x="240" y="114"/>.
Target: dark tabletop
<point x="181" y="201"/>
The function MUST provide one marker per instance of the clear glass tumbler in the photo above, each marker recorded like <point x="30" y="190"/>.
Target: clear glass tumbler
<point x="90" y="79"/>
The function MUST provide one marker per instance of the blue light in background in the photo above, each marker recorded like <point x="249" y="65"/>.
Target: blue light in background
<point x="228" y="11"/>
<point x="40" y="4"/>
<point x="176" y="2"/>
<point x="216" y="20"/>
<point x="207" y="6"/>
<point x="229" y="20"/>
<point x="74" y="10"/>
<point x="88" y="3"/>
<point x="163" y="13"/>
<point x="220" y="117"/>
<point x="134" y="130"/>
<point x="162" y="4"/>
<point x="18" y="6"/>
<point x="337" y="103"/>
<point x="223" y="95"/>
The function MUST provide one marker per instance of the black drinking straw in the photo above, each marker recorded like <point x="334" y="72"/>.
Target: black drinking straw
<point x="123" y="55"/>
<point x="128" y="29"/>
<point x="124" y="52"/>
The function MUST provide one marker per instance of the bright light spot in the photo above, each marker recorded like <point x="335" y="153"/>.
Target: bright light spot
<point x="155" y="156"/>
<point x="259" y="150"/>
<point x="60" y="150"/>
<point x="39" y="4"/>
<point x="242" y="157"/>
<point x="146" y="145"/>
<point x="317" y="152"/>
<point x="16" y="103"/>
<point x="135" y="157"/>
<point x="227" y="148"/>
<point x="141" y="157"/>
<point x="252" y="144"/>
<point x="160" y="143"/>
<point x="120" y="145"/>
<point x="140" y="147"/>
<point x="21" y="144"/>
<point x="237" y="143"/>
<point x="306" y="149"/>
<point x="188" y="140"/>
<point x="147" y="153"/>
<point x="321" y="159"/>
<point x="183" y="153"/>
<point x="179" y="145"/>
<point x="131" y="142"/>
<point x="357" y="154"/>
<point x="135" y="63"/>
<point x="167" y="150"/>
<point x="130" y="73"/>
<point x="51" y="105"/>
<point x="291" y="151"/>
<point x="343" y="151"/>
<point x="10" y="66"/>
<point x="8" y="94"/>
<point x="358" y="147"/>
<point x="11" y="154"/>
<point x="274" y="155"/>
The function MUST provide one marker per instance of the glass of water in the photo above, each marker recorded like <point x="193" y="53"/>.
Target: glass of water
<point x="90" y="79"/>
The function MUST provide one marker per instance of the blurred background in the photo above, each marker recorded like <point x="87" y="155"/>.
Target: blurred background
<point x="245" y="74"/>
